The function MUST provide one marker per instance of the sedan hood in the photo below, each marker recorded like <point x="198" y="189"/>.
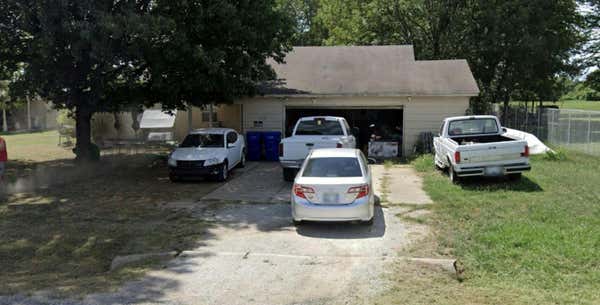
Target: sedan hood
<point x="197" y="153"/>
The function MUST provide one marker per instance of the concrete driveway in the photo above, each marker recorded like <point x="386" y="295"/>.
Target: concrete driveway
<point x="253" y="255"/>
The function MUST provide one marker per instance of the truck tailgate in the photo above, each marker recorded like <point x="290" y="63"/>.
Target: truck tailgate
<point x="298" y="147"/>
<point x="491" y="152"/>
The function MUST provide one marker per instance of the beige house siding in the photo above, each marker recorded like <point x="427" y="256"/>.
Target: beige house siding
<point x="420" y="113"/>
<point x="103" y="124"/>
<point x="426" y="114"/>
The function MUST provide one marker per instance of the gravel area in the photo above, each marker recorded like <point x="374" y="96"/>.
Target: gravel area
<point x="254" y="255"/>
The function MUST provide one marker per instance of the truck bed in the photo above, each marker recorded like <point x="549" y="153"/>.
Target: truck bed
<point x="481" y="139"/>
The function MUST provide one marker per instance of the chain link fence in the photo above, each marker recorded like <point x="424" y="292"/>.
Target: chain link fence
<point x="575" y="129"/>
<point x="525" y="119"/>
<point x="570" y="128"/>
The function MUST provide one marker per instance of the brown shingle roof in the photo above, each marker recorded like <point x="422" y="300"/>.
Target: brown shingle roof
<point x="368" y="70"/>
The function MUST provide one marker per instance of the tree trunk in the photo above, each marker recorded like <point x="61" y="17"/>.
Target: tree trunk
<point x="83" y="131"/>
<point x="28" y="113"/>
<point x="4" y="121"/>
<point x="505" y="111"/>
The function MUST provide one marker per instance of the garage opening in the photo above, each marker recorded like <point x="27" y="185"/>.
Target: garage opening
<point x="388" y="122"/>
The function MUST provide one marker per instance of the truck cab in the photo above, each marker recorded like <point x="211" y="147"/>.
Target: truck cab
<point x="312" y="133"/>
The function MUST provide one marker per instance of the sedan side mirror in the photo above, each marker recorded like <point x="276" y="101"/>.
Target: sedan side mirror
<point x="504" y="129"/>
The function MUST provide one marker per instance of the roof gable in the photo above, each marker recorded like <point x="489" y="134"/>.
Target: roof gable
<point x="368" y="70"/>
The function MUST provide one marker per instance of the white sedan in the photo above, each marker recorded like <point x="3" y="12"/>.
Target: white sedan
<point x="208" y="152"/>
<point x="333" y="185"/>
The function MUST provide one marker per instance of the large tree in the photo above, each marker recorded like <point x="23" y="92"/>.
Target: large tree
<point x="105" y="55"/>
<point x="308" y="31"/>
<point x="511" y="45"/>
<point x="591" y="52"/>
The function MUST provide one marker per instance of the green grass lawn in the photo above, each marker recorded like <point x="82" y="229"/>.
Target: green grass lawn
<point x="581" y="105"/>
<point x="61" y="224"/>
<point x="536" y="241"/>
<point x="37" y="146"/>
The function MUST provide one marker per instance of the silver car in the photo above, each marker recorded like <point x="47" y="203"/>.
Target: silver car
<point x="333" y="185"/>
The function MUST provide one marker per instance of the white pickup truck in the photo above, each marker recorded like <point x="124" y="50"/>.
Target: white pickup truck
<point x="312" y="133"/>
<point x="478" y="146"/>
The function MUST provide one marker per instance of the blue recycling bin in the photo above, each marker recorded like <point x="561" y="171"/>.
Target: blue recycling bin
<point x="271" y="140"/>
<point x="253" y="145"/>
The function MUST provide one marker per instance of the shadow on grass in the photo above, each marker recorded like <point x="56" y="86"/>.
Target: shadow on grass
<point x="499" y="183"/>
<point x="62" y="224"/>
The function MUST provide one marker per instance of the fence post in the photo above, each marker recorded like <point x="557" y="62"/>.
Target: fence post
<point x="569" y="130"/>
<point x="589" y="133"/>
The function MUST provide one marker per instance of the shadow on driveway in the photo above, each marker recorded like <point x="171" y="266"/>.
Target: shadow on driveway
<point x="344" y="230"/>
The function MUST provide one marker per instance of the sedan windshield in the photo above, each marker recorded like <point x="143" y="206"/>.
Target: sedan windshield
<point x="332" y="167"/>
<point x="472" y="126"/>
<point x="203" y="140"/>
<point x="319" y="127"/>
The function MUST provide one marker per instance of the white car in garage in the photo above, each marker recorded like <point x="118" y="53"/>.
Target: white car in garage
<point x="333" y="185"/>
<point x="211" y="152"/>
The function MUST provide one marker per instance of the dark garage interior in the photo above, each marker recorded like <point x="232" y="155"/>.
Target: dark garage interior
<point x="387" y="121"/>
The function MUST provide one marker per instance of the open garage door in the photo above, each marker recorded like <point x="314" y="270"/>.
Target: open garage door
<point x="388" y="121"/>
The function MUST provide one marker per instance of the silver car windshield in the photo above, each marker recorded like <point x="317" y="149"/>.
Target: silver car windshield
<point x="203" y="140"/>
<point x="332" y="167"/>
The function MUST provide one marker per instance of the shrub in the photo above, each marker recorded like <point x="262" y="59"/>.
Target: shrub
<point x="556" y="155"/>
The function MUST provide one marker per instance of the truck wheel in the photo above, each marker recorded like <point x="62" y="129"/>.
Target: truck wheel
<point x="437" y="166"/>
<point x="452" y="175"/>
<point x="515" y="177"/>
<point x="289" y="174"/>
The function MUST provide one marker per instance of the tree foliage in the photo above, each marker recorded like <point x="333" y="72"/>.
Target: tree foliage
<point x="101" y="55"/>
<point x="308" y="31"/>
<point x="513" y="46"/>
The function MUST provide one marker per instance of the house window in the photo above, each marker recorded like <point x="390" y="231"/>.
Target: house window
<point x="206" y="116"/>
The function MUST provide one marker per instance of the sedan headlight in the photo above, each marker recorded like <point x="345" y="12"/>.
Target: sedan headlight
<point x="211" y="161"/>
<point x="172" y="162"/>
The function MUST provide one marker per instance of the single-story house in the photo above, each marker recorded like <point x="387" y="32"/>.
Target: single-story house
<point x="381" y="85"/>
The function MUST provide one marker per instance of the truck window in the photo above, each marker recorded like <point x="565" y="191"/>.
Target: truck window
<point x="319" y="127"/>
<point x="472" y="126"/>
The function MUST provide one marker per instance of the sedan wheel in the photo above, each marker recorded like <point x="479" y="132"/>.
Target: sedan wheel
<point x="223" y="173"/>
<point x="242" y="163"/>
